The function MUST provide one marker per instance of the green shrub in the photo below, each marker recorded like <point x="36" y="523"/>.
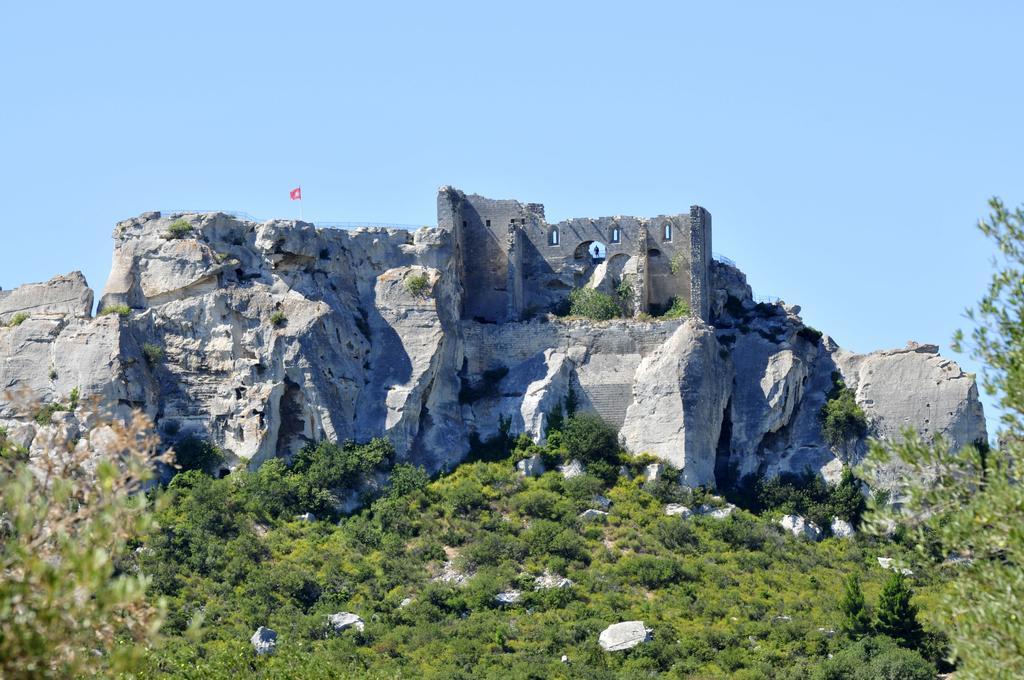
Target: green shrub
<point x="589" y="439"/>
<point x="418" y="285"/>
<point x="842" y="419"/>
<point x="593" y="304"/>
<point x="154" y="353"/>
<point x="18" y="319"/>
<point x="120" y="310"/>
<point x="651" y="571"/>
<point x="278" y="319"/>
<point x="178" y="229"/>
<point x="193" y="453"/>
<point x="811" y="335"/>
<point x="678" y="263"/>
<point x="677" y="309"/>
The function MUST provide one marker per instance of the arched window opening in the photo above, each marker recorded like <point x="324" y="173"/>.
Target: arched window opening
<point x="666" y="232"/>
<point x="553" y="237"/>
<point x="616" y="236"/>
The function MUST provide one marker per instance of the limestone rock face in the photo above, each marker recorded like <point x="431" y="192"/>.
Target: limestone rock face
<point x="679" y="397"/>
<point x="622" y="636"/>
<point x="264" y="337"/>
<point x="67" y="295"/>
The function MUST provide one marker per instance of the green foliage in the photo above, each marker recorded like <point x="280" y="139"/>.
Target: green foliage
<point x="593" y="304"/>
<point x="842" y="419"/>
<point x="875" y="658"/>
<point x="68" y="608"/>
<point x="193" y="453"/>
<point x="18" y="319"/>
<point x="969" y="502"/>
<point x="418" y="285"/>
<point x="154" y="353"/>
<point x="856" y="621"/>
<point x="811" y="335"/>
<point x="278" y="319"/>
<point x="677" y="309"/>
<point x="678" y="262"/>
<point x="897" y="616"/>
<point x="44" y="414"/>
<point x="178" y="229"/>
<point x="804" y="494"/>
<point x="120" y="310"/>
<point x="587" y="438"/>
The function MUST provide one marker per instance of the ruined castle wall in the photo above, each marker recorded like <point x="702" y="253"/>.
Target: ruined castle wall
<point x="550" y="260"/>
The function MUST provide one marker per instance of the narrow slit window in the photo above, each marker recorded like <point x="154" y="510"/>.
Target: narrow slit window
<point x="488" y="223"/>
<point x="616" y="235"/>
<point x="666" y="231"/>
<point x="553" y="238"/>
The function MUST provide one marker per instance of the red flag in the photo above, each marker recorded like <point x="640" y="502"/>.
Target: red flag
<point x="296" y="194"/>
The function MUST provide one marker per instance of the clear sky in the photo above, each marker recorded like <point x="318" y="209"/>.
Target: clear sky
<point x="845" y="153"/>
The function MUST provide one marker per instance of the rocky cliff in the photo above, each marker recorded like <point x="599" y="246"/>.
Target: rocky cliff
<point x="265" y="336"/>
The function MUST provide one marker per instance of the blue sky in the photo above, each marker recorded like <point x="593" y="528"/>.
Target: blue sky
<point x="845" y="153"/>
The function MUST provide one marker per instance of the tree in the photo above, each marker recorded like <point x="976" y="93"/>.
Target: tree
<point x="67" y="609"/>
<point x="856" y="621"/>
<point x="897" y="616"/>
<point x="969" y="502"/>
<point x="589" y="439"/>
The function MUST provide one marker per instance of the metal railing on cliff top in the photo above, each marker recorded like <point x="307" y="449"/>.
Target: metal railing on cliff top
<point x="357" y="224"/>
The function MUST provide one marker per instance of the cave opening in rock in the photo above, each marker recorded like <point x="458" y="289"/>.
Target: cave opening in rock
<point x="726" y="472"/>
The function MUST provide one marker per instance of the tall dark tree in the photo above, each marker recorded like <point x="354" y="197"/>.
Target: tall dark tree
<point x="856" y="621"/>
<point x="897" y="616"/>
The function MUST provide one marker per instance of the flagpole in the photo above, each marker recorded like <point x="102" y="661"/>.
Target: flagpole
<point x="300" y="204"/>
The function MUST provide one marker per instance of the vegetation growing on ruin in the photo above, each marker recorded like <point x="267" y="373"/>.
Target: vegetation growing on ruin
<point x="677" y="309"/>
<point x="278" y="319"/>
<point x="842" y="419"/>
<point x="178" y="229"/>
<point x="593" y="304"/>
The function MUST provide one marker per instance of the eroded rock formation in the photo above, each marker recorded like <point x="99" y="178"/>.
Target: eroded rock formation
<point x="265" y="336"/>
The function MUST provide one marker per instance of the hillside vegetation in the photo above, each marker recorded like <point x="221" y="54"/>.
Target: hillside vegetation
<point x="424" y="563"/>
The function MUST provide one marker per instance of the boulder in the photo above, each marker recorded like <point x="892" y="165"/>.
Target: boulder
<point x="306" y="517"/>
<point x="673" y="509"/>
<point x="531" y="467"/>
<point x="573" y="468"/>
<point x="654" y="472"/>
<point x="508" y="597"/>
<point x="345" y="620"/>
<point x="800" y="526"/>
<point x="715" y="511"/>
<point x="264" y="641"/>
<point x="602" y="502"/>
<point x="592" y="514"/>
<point x="547" y="581"/>
<point x="625" y="635"/>
<point x="841" y="528"/>
<point x="890" y="564"/>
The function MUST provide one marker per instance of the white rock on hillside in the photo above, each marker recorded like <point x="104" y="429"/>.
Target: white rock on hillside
<point x="531" y="467"/>
<point x="841" y="528"/>
<point x="678" y="509"/>
<point x="264" y="641"/>
<point x="800" y="526"/>
<point x="622" y="636"/>
<point x="345" y="620"/>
